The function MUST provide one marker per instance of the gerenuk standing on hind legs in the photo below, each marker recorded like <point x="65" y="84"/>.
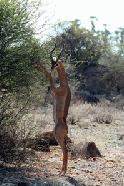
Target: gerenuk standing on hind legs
<point x="61" y="102"/>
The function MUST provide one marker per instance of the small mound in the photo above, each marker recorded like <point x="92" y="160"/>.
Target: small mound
<point x="85" y="150"/>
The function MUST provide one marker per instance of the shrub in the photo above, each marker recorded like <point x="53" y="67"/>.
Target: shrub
<point x="103" y="118"/>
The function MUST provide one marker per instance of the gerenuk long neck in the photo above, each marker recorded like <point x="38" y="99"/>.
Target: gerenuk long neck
<point x="62" y="76"/>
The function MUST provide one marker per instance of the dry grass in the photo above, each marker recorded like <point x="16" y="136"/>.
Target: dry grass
<point x="81" y="116"/>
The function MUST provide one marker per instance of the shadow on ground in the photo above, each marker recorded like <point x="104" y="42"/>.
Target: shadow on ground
<point x="16" y="177"/>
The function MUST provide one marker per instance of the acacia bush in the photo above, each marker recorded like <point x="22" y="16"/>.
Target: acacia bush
<point x="19" y="79"/>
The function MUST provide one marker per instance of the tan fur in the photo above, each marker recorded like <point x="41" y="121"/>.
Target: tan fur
<point x="61" y="96"/>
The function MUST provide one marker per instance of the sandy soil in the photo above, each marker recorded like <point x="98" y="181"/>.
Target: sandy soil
<point x="105" y="171"/>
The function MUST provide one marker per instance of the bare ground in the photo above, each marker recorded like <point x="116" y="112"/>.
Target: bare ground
<point x="105" y="171"/>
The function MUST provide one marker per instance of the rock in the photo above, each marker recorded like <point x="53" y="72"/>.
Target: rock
<point x="91" y="150"/>
<point x="41" y="145"/>
<point x="49" y="136"/>
<point x="86" y="150"/>
<point x="37" y="144"/>
<point x="42" y="142"/>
